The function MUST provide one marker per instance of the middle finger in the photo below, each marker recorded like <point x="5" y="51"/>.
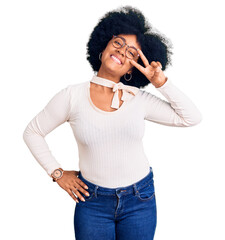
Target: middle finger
<point x="81" y="188"/>
<point x="75" y="190"/>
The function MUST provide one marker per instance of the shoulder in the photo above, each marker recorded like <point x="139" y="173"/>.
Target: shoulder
<point x="74" y="90"/>
<point x="143" y="95"/>
<point x="70" y="92"/>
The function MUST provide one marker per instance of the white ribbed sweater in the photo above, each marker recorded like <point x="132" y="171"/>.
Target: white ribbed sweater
<point x="110" y="144"/>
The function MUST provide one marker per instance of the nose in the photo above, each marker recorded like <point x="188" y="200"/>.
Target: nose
<point x="121" y="51"/>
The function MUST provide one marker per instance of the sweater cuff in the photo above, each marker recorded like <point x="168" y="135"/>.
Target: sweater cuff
<point x="167" y="83"/>
<point x="52" y="168"/>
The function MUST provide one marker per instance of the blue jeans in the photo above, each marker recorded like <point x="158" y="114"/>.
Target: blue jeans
<point x="123" y="213"/>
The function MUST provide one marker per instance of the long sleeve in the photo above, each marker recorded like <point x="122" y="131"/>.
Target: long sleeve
<point x="179" y="111"/>
<point x="56" y="112"/>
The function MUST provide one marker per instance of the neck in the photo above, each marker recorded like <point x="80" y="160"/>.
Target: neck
<point x="106" y="75"/>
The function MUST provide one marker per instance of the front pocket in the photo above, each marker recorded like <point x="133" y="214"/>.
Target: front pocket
<point x="87" y="198"/>
<point x="147" y="192"/>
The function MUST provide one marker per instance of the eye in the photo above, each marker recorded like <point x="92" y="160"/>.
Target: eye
<point x="117" y="42"/>
<point x="131" y="53"/>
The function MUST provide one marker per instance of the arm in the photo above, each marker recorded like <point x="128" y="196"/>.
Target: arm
<point x="56" y="112"/>
<point x="179" y="111"/>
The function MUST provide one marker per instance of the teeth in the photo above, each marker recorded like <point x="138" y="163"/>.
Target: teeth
<point x="115" y="58"/>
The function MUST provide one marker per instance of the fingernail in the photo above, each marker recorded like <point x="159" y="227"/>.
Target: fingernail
<point x="87" y="194"/>
<point x="83" y="199"/>
<point x="86" y="187"/>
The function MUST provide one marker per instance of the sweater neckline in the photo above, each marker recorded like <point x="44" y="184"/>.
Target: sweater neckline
<point x="100" y="110"/>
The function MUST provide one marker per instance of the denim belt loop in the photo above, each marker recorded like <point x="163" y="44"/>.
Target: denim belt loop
<point x="96" y="188"/>
<point x="135" y="189"/>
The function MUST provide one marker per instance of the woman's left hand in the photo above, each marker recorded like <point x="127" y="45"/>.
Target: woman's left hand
<point x="153" y="71"/>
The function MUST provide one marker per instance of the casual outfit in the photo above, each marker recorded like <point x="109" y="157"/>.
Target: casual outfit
<point x="111" y="153"/>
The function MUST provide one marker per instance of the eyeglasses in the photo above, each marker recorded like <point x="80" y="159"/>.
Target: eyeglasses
<point x="119" y="42"/>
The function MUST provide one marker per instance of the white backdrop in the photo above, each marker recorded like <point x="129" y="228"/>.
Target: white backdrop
<point x="43" y="49"/>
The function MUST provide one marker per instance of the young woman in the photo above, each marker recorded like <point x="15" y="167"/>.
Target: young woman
<point x="115" y="182"/>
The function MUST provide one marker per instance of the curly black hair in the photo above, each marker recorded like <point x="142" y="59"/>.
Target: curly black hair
<point x="128" y="20"/>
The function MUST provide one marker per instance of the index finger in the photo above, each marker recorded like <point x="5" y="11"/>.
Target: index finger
<point x="82" y="183"/>
<point x="143" y="58"/>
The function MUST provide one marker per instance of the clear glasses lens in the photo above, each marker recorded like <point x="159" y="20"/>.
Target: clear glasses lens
<point x="130" y="52"/>
<point x="118" y="42"/>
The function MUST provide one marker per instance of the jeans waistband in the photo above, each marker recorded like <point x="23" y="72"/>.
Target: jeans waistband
<point x="113" y="191"/>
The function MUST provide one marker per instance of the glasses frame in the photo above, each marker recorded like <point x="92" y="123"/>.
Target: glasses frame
<point x="124" y="44"/>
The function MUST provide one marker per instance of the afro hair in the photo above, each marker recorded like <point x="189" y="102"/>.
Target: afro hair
<point x="128" y="20"/>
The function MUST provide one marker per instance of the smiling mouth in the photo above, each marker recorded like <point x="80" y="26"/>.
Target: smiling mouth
<point x="115" y="59"/>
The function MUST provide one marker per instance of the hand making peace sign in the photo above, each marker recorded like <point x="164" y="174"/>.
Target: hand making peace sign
<point x="152" y="72"/>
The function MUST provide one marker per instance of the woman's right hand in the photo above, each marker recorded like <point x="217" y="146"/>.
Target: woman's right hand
<point x="71" y="184"/>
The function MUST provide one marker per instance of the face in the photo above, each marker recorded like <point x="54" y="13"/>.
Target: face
<point x="114" y="60"/>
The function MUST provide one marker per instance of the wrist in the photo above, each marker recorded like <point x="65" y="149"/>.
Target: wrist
<point x="57" y="174"/>
<point x="158" y="86"/>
